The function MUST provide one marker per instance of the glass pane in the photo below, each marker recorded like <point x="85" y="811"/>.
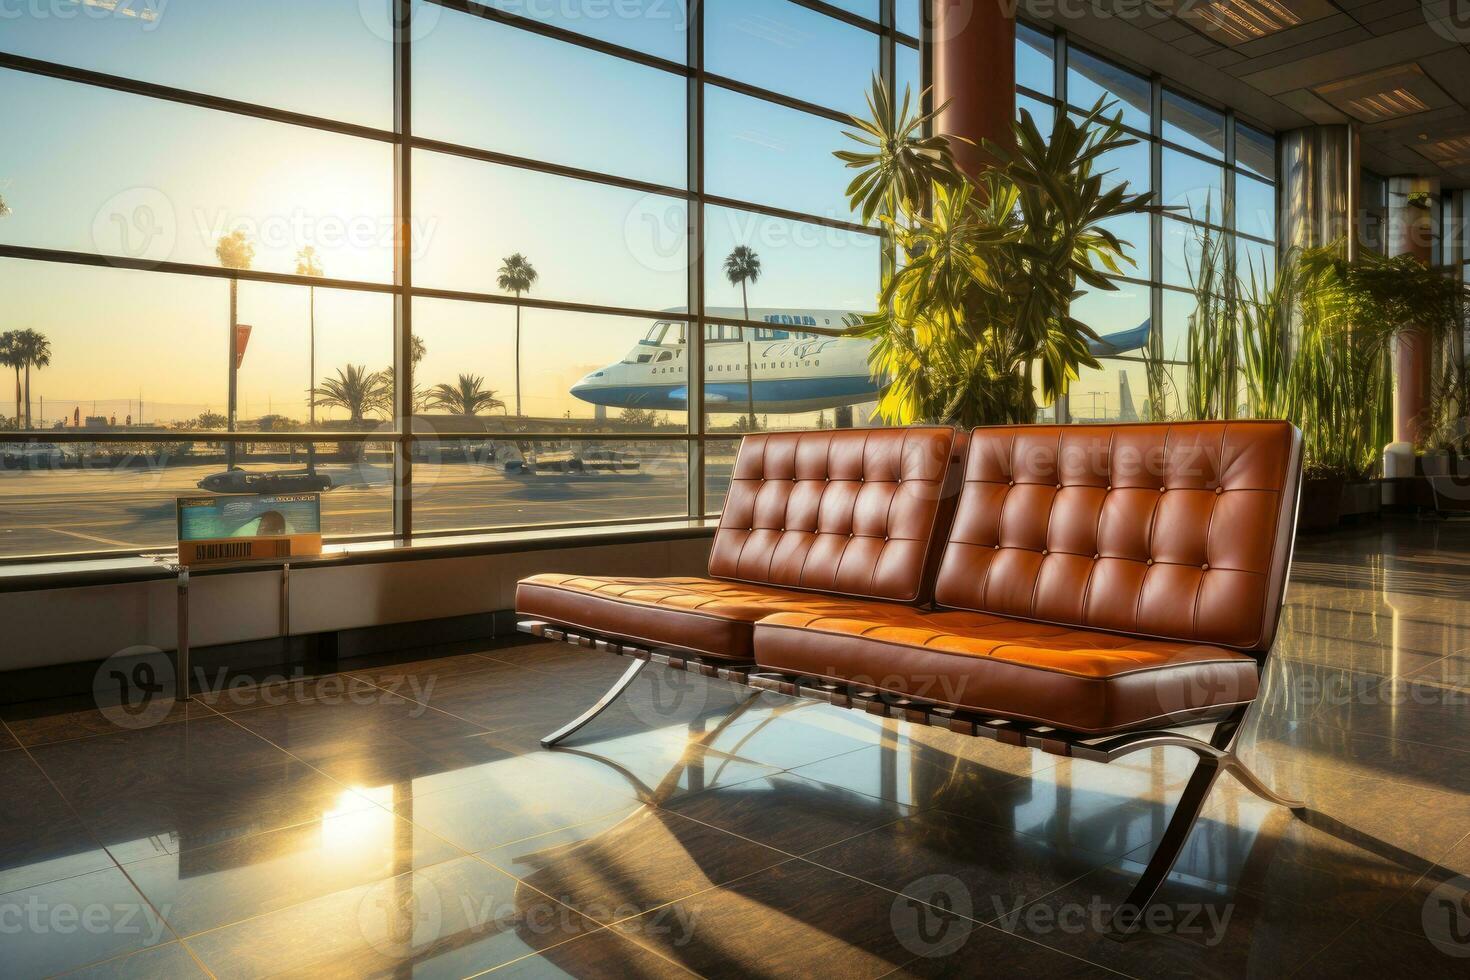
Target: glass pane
<point x="1127" y="163"/>
<point x="1255" y="261"/>
<point x="908" y="73"/>
<point x="106" y="172"/>
<point x="1041" y="113"/>
<point x="1255" y="207"/>
<point x="1193" y="186"/>
<point x="1035" y="60"/>
<point x="578" y="372"/>
<point x="1120" y="318"/>
<point x="1182" y="250"/>
<point x="806" y="270"/>
<point x="1255" y="151"/>
<point x="792" y="50"/>
<point x="765" y="153"/>
<point x="102" y="326"/>
<point x="657" y="27"/>
<point x="476" y="484"/>
<point x="328" y="58"/>
<point x="1117" y="392"/>
<point x="719" y="464"/>
<point x="1193" y="125"/>
<point x="611" y="116"/>
<point x="1178" y="308"/>
<point x="1090" y="78"/>
<point x="785" y="378"/>
<point x="62" y="498"/>
<point x="907" y="14"/>
<point x="296" y="334"/>
<point x="587" y="242"/>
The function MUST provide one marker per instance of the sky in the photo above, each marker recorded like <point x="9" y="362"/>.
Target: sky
<point x="98" y="171"/>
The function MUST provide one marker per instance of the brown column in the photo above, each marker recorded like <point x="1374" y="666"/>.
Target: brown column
<point x="973" y="49"/>
<point x="1411" y="232"/>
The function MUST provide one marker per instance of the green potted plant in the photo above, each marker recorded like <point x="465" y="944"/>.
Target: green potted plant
<point x="978" y="312"/>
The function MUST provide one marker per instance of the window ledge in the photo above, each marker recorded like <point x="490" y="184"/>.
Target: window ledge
<point x="78" y="573"/>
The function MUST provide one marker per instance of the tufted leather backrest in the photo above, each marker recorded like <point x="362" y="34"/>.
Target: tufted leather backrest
<point x="1176" y="531"/>
<point x="855" y="512"/>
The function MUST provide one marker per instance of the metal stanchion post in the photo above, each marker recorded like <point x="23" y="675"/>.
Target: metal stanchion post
<point x="182" y="667"/>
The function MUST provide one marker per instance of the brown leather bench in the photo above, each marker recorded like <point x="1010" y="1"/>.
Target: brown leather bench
<point x="1080" y="589"/>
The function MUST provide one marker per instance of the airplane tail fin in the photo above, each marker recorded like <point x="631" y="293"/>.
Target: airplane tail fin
<point x="1126" y="411"/>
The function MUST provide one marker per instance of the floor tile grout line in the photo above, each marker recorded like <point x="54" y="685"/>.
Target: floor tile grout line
<point x="1336" y="938"/>
<point x="431" y="707"/>
<point x="137" y="952"/>
<point x="132" y="883"/>
<point x="115" y="730"/>
<point x="1018" y="938"/>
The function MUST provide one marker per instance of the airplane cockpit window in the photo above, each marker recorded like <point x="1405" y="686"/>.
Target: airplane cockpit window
<point x="656" y="333"/>
<point x="665" y="356"/>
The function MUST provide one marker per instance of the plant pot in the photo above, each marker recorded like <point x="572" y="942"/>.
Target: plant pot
<point x="1436" y="464"/>
<point x="1360" y="499"/>
<point x="1321" y="503"/>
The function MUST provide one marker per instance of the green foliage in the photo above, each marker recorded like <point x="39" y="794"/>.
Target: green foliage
<point x="357" y="391"/>
<point x="1315" y="347"/>
<point x="468" y="396"/>
<point x="993" y="262"/>
<point x="1212" y="390"/>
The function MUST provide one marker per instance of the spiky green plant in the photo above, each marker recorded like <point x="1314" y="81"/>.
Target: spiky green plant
<point x="994" y="262"/>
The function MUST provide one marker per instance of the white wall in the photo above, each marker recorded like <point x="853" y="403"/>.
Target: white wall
<point x="84" y="624"/>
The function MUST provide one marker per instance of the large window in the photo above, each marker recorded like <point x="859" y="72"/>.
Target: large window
<point x="1216" y="174"/>
<point x="493" y="257"/>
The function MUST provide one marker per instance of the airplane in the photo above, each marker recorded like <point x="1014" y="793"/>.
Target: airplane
<point x="791" y="365"/>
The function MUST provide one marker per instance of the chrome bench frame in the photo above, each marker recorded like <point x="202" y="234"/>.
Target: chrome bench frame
<point x="1216" y="756"/>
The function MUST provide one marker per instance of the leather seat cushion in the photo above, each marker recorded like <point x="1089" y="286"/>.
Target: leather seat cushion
<point x="1079" y="680"/>
<point x="699" y="615"/>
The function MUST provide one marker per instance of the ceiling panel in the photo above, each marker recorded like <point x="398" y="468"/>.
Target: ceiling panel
<point x="1389" y="93"/>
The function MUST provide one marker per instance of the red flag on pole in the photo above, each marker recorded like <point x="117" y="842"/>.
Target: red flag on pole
<point x="242" y="340"/>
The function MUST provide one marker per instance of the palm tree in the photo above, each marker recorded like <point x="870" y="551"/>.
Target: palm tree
<point x="355" y="390"/>
<point x="390" y="378"/>
<point x="234" y="251"/>
<point x="468" y="397"/>
<point x="4" y="208"/>
<point x="34" y="352"/>
<point x="10" y="357"/>
<point x="517" y="276"/>
<point x="743" y="266"/>
<point x="307" y="265"/>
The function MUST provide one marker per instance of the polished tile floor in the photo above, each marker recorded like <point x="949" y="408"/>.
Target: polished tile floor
<point x="399" y="819"/>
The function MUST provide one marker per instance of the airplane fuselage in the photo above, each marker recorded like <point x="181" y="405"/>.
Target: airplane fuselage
<point x="782" y="368"/>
